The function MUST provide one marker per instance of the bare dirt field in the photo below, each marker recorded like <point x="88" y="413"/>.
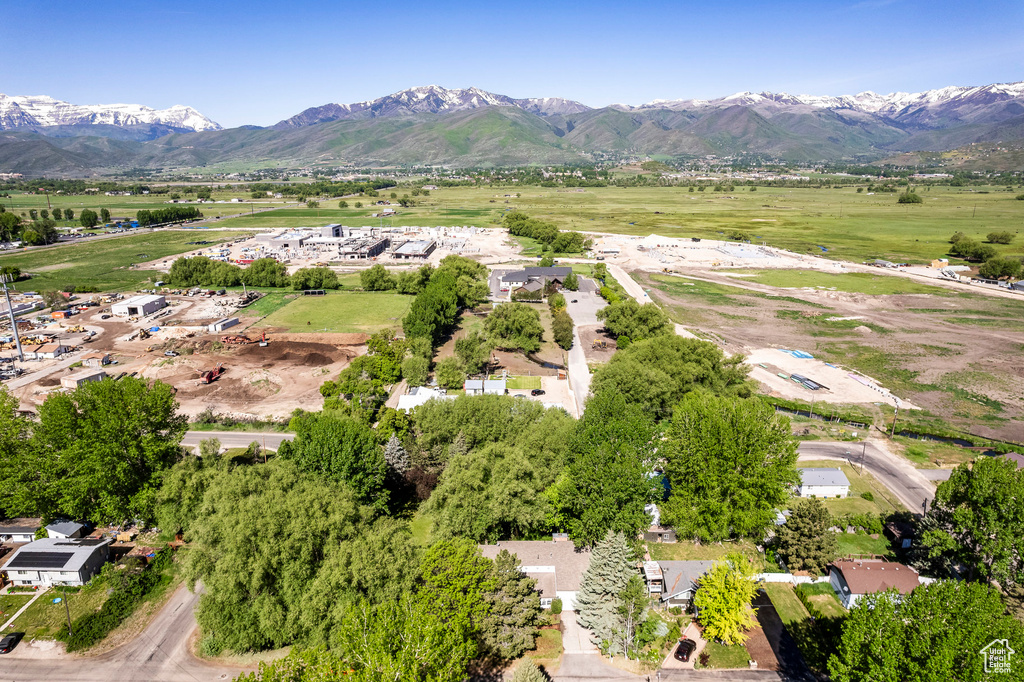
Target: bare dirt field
<point x="955" y="355"/>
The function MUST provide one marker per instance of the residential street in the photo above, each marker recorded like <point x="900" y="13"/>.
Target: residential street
<point x="897" y="474"/>
<point x="159" y="654"/>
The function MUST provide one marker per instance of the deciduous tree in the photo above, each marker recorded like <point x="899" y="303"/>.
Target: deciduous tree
<point x="723" y="599"/>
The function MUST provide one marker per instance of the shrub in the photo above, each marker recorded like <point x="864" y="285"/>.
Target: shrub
<point x="556" y="606"/>
<point x="909" y="197"/>
<point x="868" y="496"/>
<point x="999" y="237"/>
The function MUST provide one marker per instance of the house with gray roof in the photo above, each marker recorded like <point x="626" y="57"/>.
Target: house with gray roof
<point x="65" y="529"/>
<point x="58" y="561"/>
<point x="520" y="278"/>
<point x="679" y="581"/>
<point x="485" y="386"/>
<point x="19" y="530"/>
<point x="556" y="565"/>
<point x="823" y="482"/>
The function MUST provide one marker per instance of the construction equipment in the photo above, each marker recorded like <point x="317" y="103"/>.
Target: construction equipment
<point x="263" y="340"/>
<point x="144" y="334"/>
<point x="210" y="375"/>
<point x="599" y="343"/>
<point x="236" y="339"/>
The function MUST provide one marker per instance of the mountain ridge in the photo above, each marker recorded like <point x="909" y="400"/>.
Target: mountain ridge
<point x="40" y="112"/>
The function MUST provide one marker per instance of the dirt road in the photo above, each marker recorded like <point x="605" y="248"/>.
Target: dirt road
<point x="159" y="654"/>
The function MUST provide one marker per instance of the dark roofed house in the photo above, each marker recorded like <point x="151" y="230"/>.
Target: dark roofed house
<point x="680" y="580"/>
<point x="853" y="579"/>
<point x="519" y="278"/>
<point x="557" y="566"/>
<point x="62" y="561"/>
<point x="19" y="530"/>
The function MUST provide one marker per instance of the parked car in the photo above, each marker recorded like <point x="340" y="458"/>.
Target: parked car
<point x="104" y="317"/>
<point x="537" y="391"/>
<point x="170" y="354"/>
<point x="685" y="649"/>
<point x="575" y="301"/>
<point x="10" y="641"/>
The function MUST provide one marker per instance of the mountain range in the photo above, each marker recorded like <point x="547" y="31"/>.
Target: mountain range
<point x="472" y="127"/>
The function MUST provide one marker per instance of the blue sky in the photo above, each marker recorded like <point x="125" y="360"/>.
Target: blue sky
<point x="259" y="62"/>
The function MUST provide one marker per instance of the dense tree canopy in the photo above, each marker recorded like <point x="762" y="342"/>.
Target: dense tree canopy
<point x="514" y="326"/>
<point x="730" y="462"/>
<point x="655" y="374"/>
<point x="723" y="599"/>
<point x="634" y="321"/>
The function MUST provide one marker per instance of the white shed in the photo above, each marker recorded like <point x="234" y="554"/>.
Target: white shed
<point x="221" y="325"/>
<point x="485" y="387"/>
<point x="75" y="380"/>
<point x="138" y="306"/>
<point x="823" y="482"/>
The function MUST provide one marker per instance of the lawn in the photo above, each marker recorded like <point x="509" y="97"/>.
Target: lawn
<point x="10" y="603"/>
<point x="104" y="264"/>
<point x="547" y="648"/>
<point x="724" y="656"/>
<point x="341" y="311"/>
<point x="44" y="618"/>
<point x="823" y="598"/>
<point x="689" y="551"/>
<point x="421" y="528"/>
<point x="787" y="604"/>
<point x="523" y="382"/>
<point x="930" y="454"/>
<point x="882" y="502"/>
<point x="851" y="282"/>
<point x="855" y="543"/>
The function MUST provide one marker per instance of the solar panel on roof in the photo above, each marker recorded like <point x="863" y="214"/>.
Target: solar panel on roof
<point x="40" y="560"/>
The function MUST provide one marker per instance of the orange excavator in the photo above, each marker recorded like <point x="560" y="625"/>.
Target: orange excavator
<point x="210" y="375"/>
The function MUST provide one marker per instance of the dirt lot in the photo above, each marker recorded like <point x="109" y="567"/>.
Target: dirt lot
<point x="955" y="355"/>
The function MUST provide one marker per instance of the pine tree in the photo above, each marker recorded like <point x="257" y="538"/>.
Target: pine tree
<point x="396" y="456"/>
<point x="509" y="628"/>
<point x="805" y="541"/>
<point x="597" y="601"/>
<point x="527" y="671"/>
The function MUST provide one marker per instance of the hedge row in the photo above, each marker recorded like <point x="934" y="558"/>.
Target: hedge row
<point x="128" y="589"/>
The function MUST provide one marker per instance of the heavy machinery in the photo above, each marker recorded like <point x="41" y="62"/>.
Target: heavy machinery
<point x="210" y="375"/>
<point x="599" y="343"/>
<point x="263" y="340"/>
<point x="236" y="339"/>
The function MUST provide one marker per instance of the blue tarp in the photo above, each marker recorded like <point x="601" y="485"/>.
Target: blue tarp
<point x="798" y="354"/>
<point x="154" y="329"/>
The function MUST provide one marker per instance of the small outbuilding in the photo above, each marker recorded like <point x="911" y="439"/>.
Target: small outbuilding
<point x="58" y="561"/>
<point x="96" y="359"/>
<point x="19" y="530"/>
<point x="485" y="387"/>
<point x="65" y="529"/>
<point x="48" y="351"/>
<point x="851" y="580"/>
<point x="823" y="482"/>
<point x="139" y="306"/>
<point x="222" y="324"/>
<point x="73" y="381"/>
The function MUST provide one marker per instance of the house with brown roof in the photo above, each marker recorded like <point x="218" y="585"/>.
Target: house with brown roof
<point x="853" y="579"/>
<point x="556" y="565"/>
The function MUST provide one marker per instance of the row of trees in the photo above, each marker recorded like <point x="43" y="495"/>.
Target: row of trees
<point x="171" y="214"/>
<point x="992" y="265"/>
<point x="519" y="224"/>
<point x="263" y="272"/>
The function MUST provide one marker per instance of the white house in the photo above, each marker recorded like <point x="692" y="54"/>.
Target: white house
<point x="138" y="306"/>
<point x="485" y="387"/>
<point x="823" y="482"/>
<point x="418" y="395"/>
<point x="851" y="580"/>
<point x="19" y="530"/>
<point x="67" y="561"/>
<point x="47" y="351"/>
<point x="555" y="564"/>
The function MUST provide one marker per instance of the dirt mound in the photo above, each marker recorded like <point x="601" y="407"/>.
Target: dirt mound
<point x="863" y="330"/>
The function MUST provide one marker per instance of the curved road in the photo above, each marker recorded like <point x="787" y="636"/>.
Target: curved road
<point x="159" y="654"/>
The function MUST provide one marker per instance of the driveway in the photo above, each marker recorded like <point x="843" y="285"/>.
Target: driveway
<point x="897" y="474"/>
<point x="575" y="637"/>
<point x="237" y="439"/>
<point x="159" y="654"/>
<point x="583" y="313"/>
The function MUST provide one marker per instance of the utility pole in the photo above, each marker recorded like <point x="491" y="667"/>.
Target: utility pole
<point x="863" y="454"/>
<point x="10" y="311"/>
<point x="67" y="610"/>
<point x="896" y="414"/>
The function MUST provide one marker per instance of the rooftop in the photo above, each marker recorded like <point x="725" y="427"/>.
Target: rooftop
<point x="20" y="525"/>
<point x="55" y="554"/>
<point x="868" y="577"/>
<point x="682" y="576"/>
<point x="542" y="557"/>
<point x="486" y="384"/>
<point x="414" y="247"/>
<point x="65" y="527"/>
<point x="823" y="476"/>
<point x="527" y="273"/>
<point x="141" y="300"/>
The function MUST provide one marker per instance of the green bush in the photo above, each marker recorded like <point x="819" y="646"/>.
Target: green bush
<point x="556" y="606"/>
<point x="868" y="496"/>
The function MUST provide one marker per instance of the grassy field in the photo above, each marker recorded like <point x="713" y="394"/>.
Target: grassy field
<point x="44" y="618"/>
<point x="121" y="206"/>
<point x="883" y="501"/>
<point x="685" y="550"/>
<point x="854" y="543"/>
<point x="823" y="597"/>
<point x="852" y="282"/>
<point x="104" y="263"/>
<point x="547" y="648"/>
<point x="523" y="382"/>
<point x="10" y="603"/>
<point x="787" y="604"/>
<point x="341" y="311"/>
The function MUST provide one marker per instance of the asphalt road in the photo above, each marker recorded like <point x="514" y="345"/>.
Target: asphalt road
<point x="159" y="654"/>
<point x="237" y="439"/>
<point x="908" y="484"/>
<point x="583" y="313"/>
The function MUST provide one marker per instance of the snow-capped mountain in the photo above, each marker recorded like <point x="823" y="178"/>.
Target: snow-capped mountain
<point x="896" y="105"/>
<point x="41" y="111"/>
<point x="429" y="99"/>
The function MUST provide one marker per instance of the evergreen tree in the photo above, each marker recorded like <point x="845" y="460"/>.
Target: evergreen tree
<point x="597" y="601"/>
<point x="509" y="628"/>
<point x="396" y="456"/>
<point x="805" y="541"/>
<point x="527" y="671"/>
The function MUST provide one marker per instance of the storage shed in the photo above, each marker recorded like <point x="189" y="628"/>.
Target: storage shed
<point x="221" y="325"/>
<point x="823" y="482"/>
<point x="138" y="306"/>
<point x="75" y="380"/>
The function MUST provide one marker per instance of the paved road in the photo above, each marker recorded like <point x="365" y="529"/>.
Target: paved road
<point x="583" y="313"/>
<point x="237" y="439"/>
<point x="897" y="474"/>
<point x="159" y="654"/>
